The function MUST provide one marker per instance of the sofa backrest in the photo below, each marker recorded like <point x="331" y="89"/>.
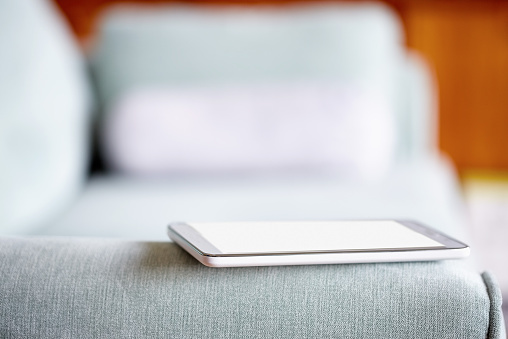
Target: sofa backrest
<point x="181" y="45"/>
<point x="361" y="45"/>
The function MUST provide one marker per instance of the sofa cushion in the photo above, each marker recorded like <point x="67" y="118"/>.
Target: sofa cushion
<point x="91" y="288"/>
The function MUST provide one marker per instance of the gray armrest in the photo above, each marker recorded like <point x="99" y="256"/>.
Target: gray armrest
<point x="63" y="287"/>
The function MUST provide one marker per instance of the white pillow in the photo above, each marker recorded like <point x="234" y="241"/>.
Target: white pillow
<point x="298" y="127"/>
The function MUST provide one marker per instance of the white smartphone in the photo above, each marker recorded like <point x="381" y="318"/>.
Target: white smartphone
<point x="234" y="244"/>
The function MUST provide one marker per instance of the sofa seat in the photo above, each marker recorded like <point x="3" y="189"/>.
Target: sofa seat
<point x="123" y="207"/>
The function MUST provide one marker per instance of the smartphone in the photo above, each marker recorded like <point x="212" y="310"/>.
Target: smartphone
<point x="235" y="244"/>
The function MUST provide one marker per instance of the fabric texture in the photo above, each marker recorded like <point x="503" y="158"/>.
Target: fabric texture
<point x="497" y="328"/>
<point x="89" y="288"/>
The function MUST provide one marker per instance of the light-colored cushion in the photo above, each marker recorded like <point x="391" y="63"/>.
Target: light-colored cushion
<point x="44" y="113"/>
<point x="309" y="127"/>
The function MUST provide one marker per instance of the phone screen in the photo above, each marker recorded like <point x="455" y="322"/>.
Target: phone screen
<point x="273" y="237"/>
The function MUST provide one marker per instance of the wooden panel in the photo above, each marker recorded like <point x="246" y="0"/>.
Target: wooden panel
<point x="467" y="45"/>
<point x="466" y="42"/>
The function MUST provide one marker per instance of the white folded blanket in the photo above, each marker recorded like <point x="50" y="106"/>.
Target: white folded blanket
<point x="275" y="127"/>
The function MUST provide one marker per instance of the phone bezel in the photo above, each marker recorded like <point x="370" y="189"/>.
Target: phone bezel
<point x="192" y="238"/>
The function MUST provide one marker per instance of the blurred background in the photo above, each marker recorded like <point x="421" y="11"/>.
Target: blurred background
<point x="466" y="46"/>
<point x="460" y="49"/>
<point x="465" y="43"/>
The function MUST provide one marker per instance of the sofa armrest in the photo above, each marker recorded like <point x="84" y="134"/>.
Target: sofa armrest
<point x="69" y="287"/>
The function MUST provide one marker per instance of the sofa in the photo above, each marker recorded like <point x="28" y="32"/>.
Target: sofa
<point x="86" y="254"/>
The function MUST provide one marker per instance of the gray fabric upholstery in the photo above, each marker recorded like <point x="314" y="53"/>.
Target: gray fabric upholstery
<point x="497" y="327"/>
<point x="90" y="288"/>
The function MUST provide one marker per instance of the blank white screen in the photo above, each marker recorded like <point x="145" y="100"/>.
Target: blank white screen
<point x="270" y="237"/>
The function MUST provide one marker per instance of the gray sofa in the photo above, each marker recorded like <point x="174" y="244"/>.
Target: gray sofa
<point x="90" y="258"/>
